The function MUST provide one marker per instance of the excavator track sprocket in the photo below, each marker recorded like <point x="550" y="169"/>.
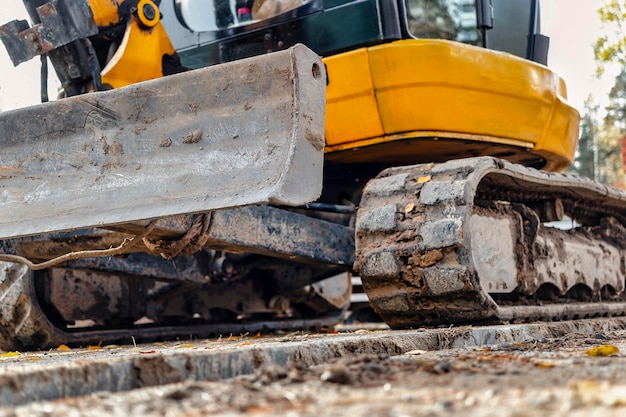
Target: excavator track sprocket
<point x="470" y="240"/>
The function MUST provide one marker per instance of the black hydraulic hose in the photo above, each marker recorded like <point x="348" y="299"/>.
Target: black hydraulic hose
<point x="331" y="208"/>
<point x="44" y="78"/>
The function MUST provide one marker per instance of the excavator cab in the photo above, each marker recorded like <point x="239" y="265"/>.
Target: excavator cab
<point x="509" y="26"/>
<point x="466" y="21"/>
<point x="212" y="15"/>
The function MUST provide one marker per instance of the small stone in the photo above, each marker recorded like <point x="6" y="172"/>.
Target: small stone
<point x="337" y="375"/>
<point x="193" y="137"/>
<point x="442" y="368"/>
<point x="444" y="405"/>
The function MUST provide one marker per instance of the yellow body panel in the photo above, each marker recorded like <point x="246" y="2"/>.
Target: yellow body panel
<point x="145" y="20"/>
<point x="351" y="99"/>
<point x="435" y="88"/>
<point x="139" y="56"/>
<point x="105" y="12"/>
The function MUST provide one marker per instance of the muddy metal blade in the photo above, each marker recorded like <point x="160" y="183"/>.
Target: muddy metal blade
<point x="240" y="133"/>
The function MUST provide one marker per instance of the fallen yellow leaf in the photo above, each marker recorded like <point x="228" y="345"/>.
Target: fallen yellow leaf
<point x="33" y="358"/>
<point x="416" y="352"/>
<point x="64" y="348"/>
<point x="424" y="179"/>
<point x="9" y="354"/>
<point x="545" y="364"/>
<point x="94" y="347"/>
<point x="603" y="350"/>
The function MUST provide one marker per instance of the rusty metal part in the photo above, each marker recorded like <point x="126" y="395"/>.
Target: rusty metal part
<point x="192" y="241"/>
<point x="94" y="295"/>
<point x="550" y="210"/>
<point x="241" y="133"/>
<point x="262" y="230"/>
<point x="206" y="266"/>
<point x="124" y="247"/>
<point x="62" y="22"/>
<point x="27" y="322"/>
<point x="262" y="291"/>
<point x="218" y="291"/>
<point x="460" y="242"/>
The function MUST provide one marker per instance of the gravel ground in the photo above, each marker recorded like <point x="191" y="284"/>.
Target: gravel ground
<point x="545" y="377"/>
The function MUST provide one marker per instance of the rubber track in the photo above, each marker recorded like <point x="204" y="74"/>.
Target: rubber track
<point x="413" y="241"/>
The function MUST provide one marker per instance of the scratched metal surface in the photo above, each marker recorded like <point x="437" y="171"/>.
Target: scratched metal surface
<point x="236" y="134"/>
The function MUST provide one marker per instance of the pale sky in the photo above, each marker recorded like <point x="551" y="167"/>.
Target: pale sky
<point x="572" y="25"/>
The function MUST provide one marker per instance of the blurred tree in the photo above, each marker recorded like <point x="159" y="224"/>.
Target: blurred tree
<point x="609" y="155"/>
<point x="609" y="170"/>
<point x="616" y="109"/>
<point x="606" y="138"/>
<point x="585" y="160"/>
<point x="611" y="46"/>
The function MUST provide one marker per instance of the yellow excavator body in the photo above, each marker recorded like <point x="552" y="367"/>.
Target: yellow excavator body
<point x="436" y="89"/>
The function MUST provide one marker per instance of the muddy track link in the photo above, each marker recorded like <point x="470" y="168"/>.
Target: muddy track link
<point x="463" y="241"/>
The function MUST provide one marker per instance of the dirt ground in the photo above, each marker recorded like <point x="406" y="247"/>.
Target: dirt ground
<point x="549" y="377"/>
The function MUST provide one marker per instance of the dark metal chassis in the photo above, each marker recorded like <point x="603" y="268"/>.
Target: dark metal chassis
<point x="256" y="260"/>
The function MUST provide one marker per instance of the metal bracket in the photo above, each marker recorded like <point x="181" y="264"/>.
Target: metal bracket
<point x="61" y="23"/>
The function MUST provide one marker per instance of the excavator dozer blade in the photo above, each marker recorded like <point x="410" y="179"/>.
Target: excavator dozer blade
<point x="241" y="133"/>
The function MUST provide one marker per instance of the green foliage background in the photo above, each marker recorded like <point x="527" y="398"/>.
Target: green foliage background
<point x="599" y="148"/>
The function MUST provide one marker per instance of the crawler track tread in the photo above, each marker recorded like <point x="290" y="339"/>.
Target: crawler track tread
<point x="413" y="241"/>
